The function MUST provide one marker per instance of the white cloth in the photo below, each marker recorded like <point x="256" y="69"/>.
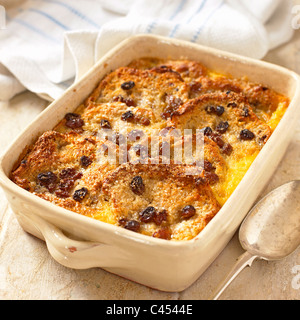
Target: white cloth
<point x="47" y="44"/>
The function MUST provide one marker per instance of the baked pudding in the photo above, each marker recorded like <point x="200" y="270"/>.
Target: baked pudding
<point x="119" y="157"/>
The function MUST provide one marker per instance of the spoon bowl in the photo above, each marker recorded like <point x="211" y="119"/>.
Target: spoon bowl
<point x="271" y="230"/>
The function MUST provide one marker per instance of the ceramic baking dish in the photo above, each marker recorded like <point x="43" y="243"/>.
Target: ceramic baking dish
<point x="77" y="241"/>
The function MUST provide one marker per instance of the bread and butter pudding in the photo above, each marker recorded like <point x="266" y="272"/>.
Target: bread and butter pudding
<point x="78" y="166"/>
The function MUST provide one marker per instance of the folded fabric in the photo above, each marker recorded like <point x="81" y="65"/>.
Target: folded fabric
<point x="48" y="44"/>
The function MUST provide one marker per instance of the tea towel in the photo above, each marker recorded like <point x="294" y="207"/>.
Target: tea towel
<point x="49" y="44"/>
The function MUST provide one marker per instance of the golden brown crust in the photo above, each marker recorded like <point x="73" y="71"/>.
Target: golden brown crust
<point x="83" y="166"/>
<point x="162" y="184"/>
<point x="151" y="89"/>
<point x="213" y="110"/>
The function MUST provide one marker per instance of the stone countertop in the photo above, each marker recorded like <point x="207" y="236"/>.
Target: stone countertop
<point x="27" y="270"/>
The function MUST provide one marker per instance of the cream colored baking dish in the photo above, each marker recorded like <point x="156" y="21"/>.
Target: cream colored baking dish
<point x="77" y="241"/>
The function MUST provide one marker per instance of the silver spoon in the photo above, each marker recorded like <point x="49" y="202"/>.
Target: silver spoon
<point x="271" y="230"/>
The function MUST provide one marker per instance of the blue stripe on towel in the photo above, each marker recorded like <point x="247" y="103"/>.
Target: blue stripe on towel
<point x="74" y="11"/>
<point x="178" y="9"/>
<point x="174" y="30"/>
<point x="199" y="30"/>
<point x="34" y="29"/>
<point x="203" y="3"/>
<point x="48" y="16"/>
<point x="151" y="26"/>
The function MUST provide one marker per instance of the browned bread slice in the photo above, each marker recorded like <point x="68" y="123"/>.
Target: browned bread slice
<point x="228" y="116"/>
<point x="160" y="200"/>
<point x="67" y="169"/>
<point x="160" y="89"/>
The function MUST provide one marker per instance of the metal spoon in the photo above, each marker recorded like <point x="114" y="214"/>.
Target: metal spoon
<point x="271" y="230"/>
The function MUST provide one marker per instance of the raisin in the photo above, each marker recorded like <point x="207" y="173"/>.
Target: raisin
<point x="200" y="181"/>
<point x="227" y="149"/>
<point x="105" y="124"/>
<point x="218" y="110"/>
<point x="64" y="188"/>
<point x="222" y="127"/>
<point x="68" y="177"/>
<point x="70" y="173"/>
<point x="80" y="194"/>
<point x="85" y="161"/>
<point x="127" y="85"/>
<point x="232" y="105"/>
<point x="173" y="103"/>
<point x="122" y="222"/>
<point x="137" y="185"/>
<point x="187" y="212"/>
<point x="48" y="180"/>
<point x="148" y="214"/>
<point x="160" y="217"/>
<point x="208" y="166"/>
<point x="207" y="131"/>
<point x="217" y="139"/>
<point x="128" y="101"/>
<point x="247" y="135"/>
<point x="211" y="177"/>
<point x="132" y="225"/>
<point x="70" y="116"/>
<point x="127" y="116"/>
<point x="163" y="233"/>
<point x="245" y="112"/>
<point x="74" y="120"/>
<point x="75" y="123"/>
<point x="210" y="109"/>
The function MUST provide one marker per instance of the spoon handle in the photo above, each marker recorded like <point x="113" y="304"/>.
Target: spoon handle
<point x="243" y="261"/>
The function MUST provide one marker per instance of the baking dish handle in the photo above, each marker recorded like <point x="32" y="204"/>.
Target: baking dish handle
<point x="73" y="253"/>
